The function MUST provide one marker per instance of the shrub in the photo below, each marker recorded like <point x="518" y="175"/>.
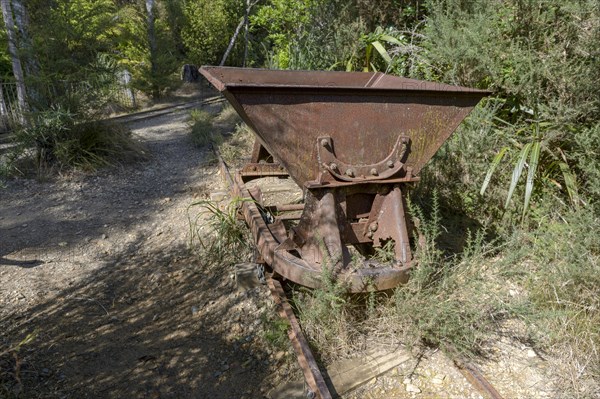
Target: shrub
<point x="202" y="128"/>
<point x="56" y="139"/>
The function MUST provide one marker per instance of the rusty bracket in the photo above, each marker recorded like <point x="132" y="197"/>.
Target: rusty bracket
<point x="390" y="166"/>
<point x="254" y="170"/>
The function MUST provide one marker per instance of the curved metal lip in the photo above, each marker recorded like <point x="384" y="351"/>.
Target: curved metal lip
<point x="374" y="81"/>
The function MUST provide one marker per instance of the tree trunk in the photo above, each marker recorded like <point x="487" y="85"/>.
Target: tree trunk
<point x="32" y="67"/>
<point x="14" y="56"/>
<point x="4" y="121"/>
<point x="231" y="42"/>
<point x="152" y="43"/>
<point x="246" y="14"/>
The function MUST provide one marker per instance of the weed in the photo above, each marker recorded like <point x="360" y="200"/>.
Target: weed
<point x="219" y="231"/>
<point x="325" y="312"/>
<point x="202" y="128"/>
<point x="235" y="149"/>
<point x="10" y="367"/>
<point x="56" y="139"/>
<point x="449" y="302"/>
<point x="275" y="330"/>
<point x="562" y="279"/>
<point x="228" y="116"/>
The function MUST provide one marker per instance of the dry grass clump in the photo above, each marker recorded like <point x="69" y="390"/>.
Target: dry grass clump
<point x="58" y="140"/>
<point x="218" y="231"/>
<point x="202" y="130"/>
<point x="236" y="148"/>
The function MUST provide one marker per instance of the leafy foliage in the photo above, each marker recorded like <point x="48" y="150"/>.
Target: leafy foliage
<point x="538" y="57"/>
<point x="209" y="25"/>
<point x="60" y="140"/>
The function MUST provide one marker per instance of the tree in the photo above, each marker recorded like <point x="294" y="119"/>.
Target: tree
<point x="152" y="43"/>
<point x="9" y="24"/>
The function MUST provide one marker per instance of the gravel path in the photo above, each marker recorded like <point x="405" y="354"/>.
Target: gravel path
<point x="98" y="267"/>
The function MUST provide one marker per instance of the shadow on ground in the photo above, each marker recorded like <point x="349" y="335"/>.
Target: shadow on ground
<point x="151" y="325"/>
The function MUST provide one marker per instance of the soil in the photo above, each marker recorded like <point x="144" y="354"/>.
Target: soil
<point x="98" y="267"/>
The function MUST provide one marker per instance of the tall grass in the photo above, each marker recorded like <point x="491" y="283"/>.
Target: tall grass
<point x="59" y="140"/>
<point x="219" y="231"/>
<point x="202" y="129"/>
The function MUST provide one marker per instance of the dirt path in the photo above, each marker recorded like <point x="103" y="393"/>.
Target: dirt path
<point x="98" y="267"/>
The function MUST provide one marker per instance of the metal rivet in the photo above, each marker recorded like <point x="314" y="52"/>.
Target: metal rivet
<point x="324" y="142"/>
<point x="350" y="172"/>
<point x="333" y="166"/>
<point x="370" y="235"/>
<point x="374" y="172"/>
<point x="390" y="163"/>
<point x="373" y="226"/>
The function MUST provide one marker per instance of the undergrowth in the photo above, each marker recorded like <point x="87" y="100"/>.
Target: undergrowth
<point x="58" y="140"/>
<point x="236" y="146"/>
<point x="202" y="128"/>
<point x="452" y="302"/>
<point x="218" y="231"/>
<point x="11" y="367"/>
<point x="560" y="271"/>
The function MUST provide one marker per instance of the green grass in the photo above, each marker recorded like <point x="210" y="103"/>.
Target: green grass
<point x="10" y="367"/>
<point x="59" y="140"/>
<point x="202" y="130"/>
<point x="219" y="231"/>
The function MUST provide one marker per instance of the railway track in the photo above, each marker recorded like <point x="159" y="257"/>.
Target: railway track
<point x="6" y="138"/>
<point x="318" y="386"/>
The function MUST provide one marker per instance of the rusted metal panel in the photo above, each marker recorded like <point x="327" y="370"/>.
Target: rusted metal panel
<point x="363" y="114"/>
<point x="352" y="141"/>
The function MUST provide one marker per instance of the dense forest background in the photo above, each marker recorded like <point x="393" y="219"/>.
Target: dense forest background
<point x="524" y="168"/>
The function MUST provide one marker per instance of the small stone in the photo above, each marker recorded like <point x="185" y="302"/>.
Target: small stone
<point x="104" y="236"/>
<point x="531" y="353"/>
<point x="45" y="372"/>
<point x="24" y="225"/>
<point x="217" y="374"/>
<point x="225" y="367"/>
<point x="412" y="388"/>
<point x="218" y="196"/>
<point x="194" y="310"/>
<point x="438" y="379"/>
<point x="62" y="244"/>
<point x="373" y="381"/>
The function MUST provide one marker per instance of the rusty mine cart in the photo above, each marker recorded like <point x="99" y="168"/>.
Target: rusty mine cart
<point x="353" y="142"/>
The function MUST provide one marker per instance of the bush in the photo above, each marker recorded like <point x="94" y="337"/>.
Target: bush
<point x="202" y="128"/>
<point x="57" y="140"/>
<point x="540" y="58"/>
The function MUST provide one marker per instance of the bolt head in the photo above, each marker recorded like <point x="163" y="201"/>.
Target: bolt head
<point x="374" y="172"/>
<point x="350" y="172"/>
<point x="390" y="163"/>
<point x="373" y="226"/>
<point x="370" y="235"/>
<point x="333" y="166"/>
<point x="324" y="142"/>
